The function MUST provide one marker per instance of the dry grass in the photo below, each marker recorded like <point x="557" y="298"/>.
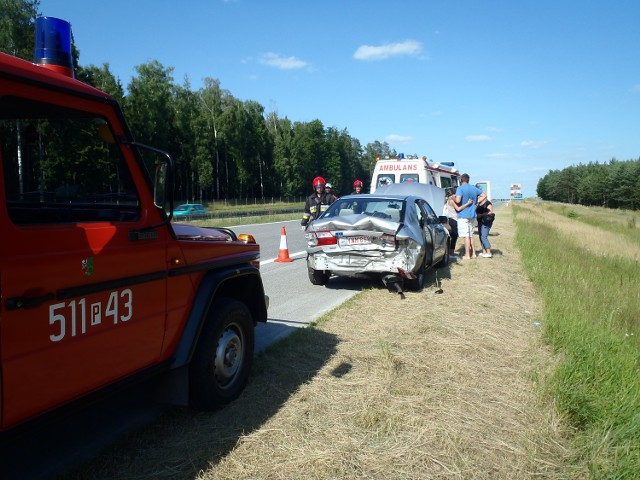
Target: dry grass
<point x="435" y="386"/>
<point x="595" y="240"/>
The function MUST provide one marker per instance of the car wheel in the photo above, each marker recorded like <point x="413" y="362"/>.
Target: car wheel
<point x="417" y="283"/>
<point x="318" y="277"/>
<point x="220" y="367"/>
<point x="445" y="260"/>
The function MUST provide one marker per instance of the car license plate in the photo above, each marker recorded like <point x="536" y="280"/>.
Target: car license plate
<point x="357" y="240"/>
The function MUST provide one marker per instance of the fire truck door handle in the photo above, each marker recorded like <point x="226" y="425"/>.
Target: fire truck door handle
<point x="28" y="302"/>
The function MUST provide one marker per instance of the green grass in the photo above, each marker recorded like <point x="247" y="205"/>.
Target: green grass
<point x="592" y="321"/>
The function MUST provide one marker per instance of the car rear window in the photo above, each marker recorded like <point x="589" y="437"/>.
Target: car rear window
<point x="375" y="207"/>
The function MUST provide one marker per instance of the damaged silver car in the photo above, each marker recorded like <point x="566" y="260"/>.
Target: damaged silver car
<point x="395" y="237"/>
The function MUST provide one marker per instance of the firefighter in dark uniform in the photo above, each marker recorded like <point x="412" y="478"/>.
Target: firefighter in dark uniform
<point x="316" y="203"/>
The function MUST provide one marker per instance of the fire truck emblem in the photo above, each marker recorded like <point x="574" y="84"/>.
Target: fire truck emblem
<point x="87" y="266"/>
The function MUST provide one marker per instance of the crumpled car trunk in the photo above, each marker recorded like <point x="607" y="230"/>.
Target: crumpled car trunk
<point x="382" y="254"/>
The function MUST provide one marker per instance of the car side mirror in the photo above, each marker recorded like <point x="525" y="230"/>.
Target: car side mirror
<point x="443" y="219"/>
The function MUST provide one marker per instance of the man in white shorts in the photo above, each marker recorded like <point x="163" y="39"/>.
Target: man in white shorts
<point x="466" y="196"/>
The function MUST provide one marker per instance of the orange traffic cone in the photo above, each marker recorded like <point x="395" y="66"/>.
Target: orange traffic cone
<point x="283" y="253"/>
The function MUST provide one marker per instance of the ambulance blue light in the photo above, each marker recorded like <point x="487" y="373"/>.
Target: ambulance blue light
<point x="53" y="45"/>
<point x="401" y="155"/>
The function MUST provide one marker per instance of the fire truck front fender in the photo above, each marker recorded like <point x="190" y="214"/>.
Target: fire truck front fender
<point x="242" y="283"/>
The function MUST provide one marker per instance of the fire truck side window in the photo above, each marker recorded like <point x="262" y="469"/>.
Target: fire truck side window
<point x="62" y="166"/>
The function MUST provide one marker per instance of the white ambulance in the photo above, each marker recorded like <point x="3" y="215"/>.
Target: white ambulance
<point x="485" y="186"/>
<point x="414" y="169"/>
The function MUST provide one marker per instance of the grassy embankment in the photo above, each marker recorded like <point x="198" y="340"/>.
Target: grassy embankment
<point x="585" y="264"/>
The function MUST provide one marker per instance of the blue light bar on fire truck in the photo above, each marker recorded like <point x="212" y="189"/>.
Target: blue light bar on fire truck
<point x="53" y="45"/>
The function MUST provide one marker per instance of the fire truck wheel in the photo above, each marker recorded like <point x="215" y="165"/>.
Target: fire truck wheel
<point x="220" y="367"/>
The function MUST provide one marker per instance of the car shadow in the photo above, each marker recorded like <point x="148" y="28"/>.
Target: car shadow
<point x="432" y="280"/>
<point x="352" y="284"/>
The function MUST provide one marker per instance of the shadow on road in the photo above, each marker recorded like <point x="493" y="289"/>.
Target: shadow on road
<point x="181" y="442"/>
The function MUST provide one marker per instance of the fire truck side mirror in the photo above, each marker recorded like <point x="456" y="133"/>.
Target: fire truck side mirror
<point x="105" y="134"/>
<point x="160" y="185"/>
<point x="160" y="165"/>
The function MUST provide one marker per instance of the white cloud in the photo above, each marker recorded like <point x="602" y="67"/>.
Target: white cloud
<point x="284" y="63"/>
<point x="383" y="52"/>
<point x="636" y="88"/>
<point x="477" y="138"/>
<point x="394" y="139"/>
<point x="532" y="144"/>
<point x="493" y="129"/>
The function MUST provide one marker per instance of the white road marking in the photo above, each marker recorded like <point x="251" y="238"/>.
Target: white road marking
<point x="291" y="255"/>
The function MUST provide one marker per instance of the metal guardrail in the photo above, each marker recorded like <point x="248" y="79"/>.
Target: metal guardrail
<point x="257" y="213"/>
<point x="239" y="214"/>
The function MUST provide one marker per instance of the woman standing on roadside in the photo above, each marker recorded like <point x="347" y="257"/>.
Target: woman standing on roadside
<point x="451" y="212"/>
<point x="485" y="216"/>
<point x="451" y="209"/>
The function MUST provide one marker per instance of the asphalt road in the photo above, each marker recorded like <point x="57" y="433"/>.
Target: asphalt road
<point x="75" y="438"/>
<point x="293" y="301"/>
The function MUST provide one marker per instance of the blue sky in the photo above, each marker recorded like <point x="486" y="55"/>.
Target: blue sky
<point x="506" y="89"/>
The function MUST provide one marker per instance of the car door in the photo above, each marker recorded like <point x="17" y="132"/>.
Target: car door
<point x="435" y="230"/>
<point x="83" y="302"/>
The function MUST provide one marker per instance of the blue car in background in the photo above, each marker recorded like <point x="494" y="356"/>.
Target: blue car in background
<point x="189" y="210"/>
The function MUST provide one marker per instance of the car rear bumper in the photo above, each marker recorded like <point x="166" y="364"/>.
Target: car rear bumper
<point x="354" y="263"/>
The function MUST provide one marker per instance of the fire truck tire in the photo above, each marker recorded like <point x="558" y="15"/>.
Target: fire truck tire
<point x="220" y="367"/>
<point x="318" y="277"/>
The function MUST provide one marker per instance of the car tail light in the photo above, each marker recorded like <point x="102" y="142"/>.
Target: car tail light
<point x="388" y="240"/>
<point x="322" y="237"/>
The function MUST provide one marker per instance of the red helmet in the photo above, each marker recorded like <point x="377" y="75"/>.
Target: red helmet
<point x="317" y="181"/>
<point x="357" y="183"/>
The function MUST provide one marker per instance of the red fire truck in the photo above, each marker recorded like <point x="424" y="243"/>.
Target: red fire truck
<point x="97" y="286"/>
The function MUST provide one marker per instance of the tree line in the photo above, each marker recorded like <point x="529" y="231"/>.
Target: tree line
<point x="227" y="148"/>
<point x="223" y="147"/>
<point x="615" y="184"/>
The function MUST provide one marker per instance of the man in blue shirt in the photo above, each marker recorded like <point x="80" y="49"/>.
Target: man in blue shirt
<point x="466" y="197"/>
